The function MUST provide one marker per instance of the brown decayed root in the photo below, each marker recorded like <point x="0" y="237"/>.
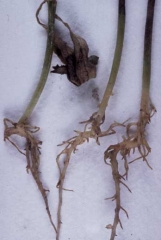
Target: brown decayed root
<point x="31" y="152"/>
<point x="135" y="141"/>
<point x="92" y="131"/>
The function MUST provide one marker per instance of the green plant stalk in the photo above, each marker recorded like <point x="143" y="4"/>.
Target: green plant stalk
<point x="47" y="62"/>
<point x="147" y="56"/>
<point x="116" y="61"/>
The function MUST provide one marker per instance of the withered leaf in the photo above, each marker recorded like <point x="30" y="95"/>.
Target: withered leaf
<point x="78" y="66"/>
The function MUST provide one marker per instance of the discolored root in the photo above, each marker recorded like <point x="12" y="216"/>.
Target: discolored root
<point x="91" y="130"/>
<point x="135" y="141"/>
<point x="111" y="154"/>
<point x="139" y="138"/>
<point x="31" y="152"/>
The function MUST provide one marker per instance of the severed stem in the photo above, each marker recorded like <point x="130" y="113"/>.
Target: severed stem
<point x="47" y="61"/>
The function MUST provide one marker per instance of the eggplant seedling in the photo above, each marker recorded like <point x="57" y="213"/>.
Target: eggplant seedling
<point x="22" y="128"/>
<point x="135" y="141"/>
<point x="92" y="128"/>
<point x="85" y="68"/>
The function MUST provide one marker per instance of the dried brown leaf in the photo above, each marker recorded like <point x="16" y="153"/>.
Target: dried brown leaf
<point x="78" y="66"/>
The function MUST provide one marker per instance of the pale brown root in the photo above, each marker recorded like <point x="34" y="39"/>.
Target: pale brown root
<point x="15" y="146"/>
<point x="37" y="14"/>
<point x="71" y="146"/>
<point x="113" y="197"/>
<point x="125" y="212"/>
<point x="111" y="155"/>
<point x="91" y="130"/>
<point x="32" y="153"/>
<point x="136" y="140"/>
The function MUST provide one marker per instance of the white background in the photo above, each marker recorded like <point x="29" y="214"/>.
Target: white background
<point x="62" y="106"/>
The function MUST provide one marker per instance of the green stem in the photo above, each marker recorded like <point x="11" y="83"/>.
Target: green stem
<point x="147" y="55"/>
<point x="47" y="62"/>
<point x="116" y="60"/>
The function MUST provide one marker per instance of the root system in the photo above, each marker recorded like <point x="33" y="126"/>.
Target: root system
<point x="31" y="152"/>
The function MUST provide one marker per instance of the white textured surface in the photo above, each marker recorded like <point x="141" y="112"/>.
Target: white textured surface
<point x="59" y="111"/>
